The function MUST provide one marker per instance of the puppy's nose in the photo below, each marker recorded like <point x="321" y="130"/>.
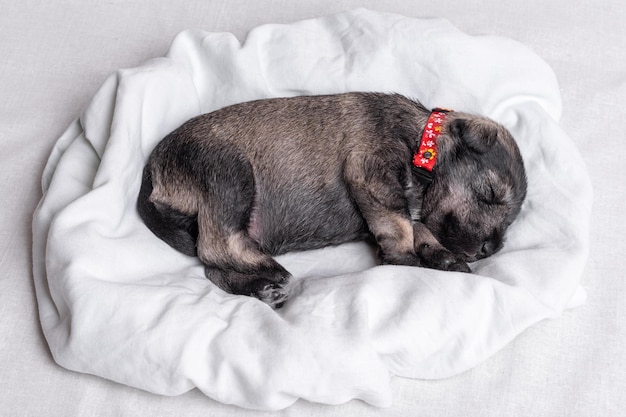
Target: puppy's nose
<point x="488" y="248"/>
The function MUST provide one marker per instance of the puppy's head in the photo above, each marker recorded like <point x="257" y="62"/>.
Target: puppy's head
<point x="478" y="188"/>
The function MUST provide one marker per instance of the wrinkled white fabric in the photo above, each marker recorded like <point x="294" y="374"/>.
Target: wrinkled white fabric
<point x="117" y="302"/>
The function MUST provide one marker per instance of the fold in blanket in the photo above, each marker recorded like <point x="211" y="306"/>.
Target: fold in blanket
<point x="117" y="302"/>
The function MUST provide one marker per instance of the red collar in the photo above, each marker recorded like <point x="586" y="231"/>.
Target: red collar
<point x="425" y="156"/>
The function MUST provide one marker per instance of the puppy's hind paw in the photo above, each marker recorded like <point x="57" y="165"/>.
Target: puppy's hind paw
<point x="271" y="293"/>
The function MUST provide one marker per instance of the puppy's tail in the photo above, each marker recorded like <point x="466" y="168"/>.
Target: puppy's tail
<point x="177" y="229"/>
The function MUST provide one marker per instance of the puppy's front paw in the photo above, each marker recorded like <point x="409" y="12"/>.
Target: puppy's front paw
<point x="272" y="293"/>
<point x="442" y="259"/>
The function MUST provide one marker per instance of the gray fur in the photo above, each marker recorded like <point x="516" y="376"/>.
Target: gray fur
<point x="262" y="178"/>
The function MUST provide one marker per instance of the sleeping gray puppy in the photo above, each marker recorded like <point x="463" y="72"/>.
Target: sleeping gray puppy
<point x="435" y="189"/>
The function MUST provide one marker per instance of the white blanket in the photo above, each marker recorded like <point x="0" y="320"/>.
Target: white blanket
<point x="117" y="302"/>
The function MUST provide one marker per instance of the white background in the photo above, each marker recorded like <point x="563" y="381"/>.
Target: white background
<point x="55" y="55"/>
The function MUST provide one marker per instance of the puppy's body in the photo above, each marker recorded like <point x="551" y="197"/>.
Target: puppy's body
<point x="262" y="178"/>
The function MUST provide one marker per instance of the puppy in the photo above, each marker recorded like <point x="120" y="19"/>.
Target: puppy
<point x="435" y="189"/>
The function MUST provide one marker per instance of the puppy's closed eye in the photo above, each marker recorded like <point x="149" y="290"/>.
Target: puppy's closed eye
<point x="497" y="194"/>
<point x="488" y="196"/>
<point x="492" y="190"/>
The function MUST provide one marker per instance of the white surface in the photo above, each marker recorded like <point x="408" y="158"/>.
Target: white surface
<point x="117" y="302"/>
<point x="54" y="57"/>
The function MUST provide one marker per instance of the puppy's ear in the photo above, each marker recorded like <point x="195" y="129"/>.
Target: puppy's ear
<point x="478" y="134"/>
